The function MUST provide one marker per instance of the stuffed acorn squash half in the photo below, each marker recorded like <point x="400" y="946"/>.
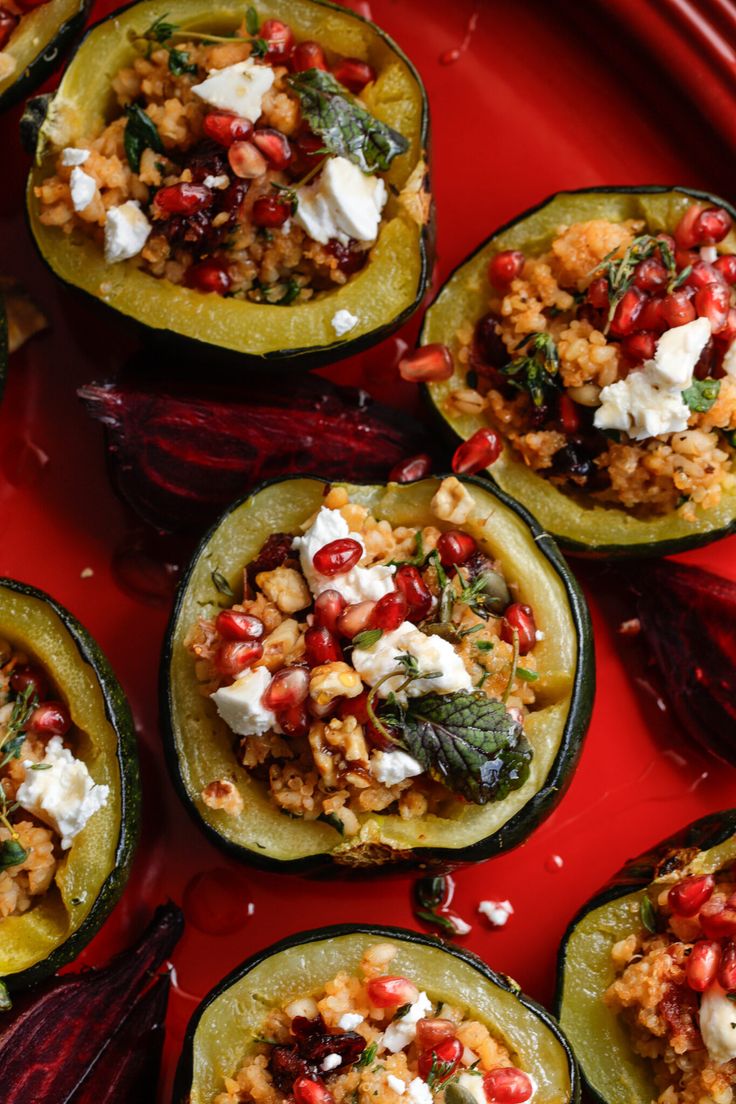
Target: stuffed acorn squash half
<point x="406" y="1017"/>
<point x="596" y="336"/>
<point x="252" y="181"/>
<point x="68" y="786"/>
<point x="647" y="973"/>
<point x="361" y="675"/>
<point x="33" y="42"/>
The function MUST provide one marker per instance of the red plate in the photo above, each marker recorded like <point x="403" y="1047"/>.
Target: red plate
<point x="533" y="102"/>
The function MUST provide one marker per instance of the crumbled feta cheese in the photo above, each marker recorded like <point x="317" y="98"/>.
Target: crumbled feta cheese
<point x="343" y="322"/>
<point x="400" y="1033"/>
<point x="82" y="188"/>
<point x="496" y="912"/>
<point x="126" y="231"/>
<point x="396" y="1084"/>
<point x="240" y="704"/>
<point x="73" y="156"/>
<point x="462" y="927"/>
<point x="432" y="653"/>
<point x="419" y="1092"/>
<point x="729" y="360"/>
<point x="332" y="1061"/>
<point x="718" y="1025"/>
<point x="221" y="181"/>
<point x="239" y="88"/>
<point x="390" y="767"/>
<point x="343" y="203"/>
<point x="678" y="351"/>
<point x="349" y="1020"/>
<point x="360" y="584"/>
<point x="63" y="794"/>
<point x="708" y="254"/>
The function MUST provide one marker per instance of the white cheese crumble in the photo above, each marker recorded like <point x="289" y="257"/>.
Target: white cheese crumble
<point x="221" y="181"/>
<point x="63" y="794"/>
<point x="343" y="203"/>
<point x="82" y="188"/>
<point x="649" y="403"/>
<point x="73" y="156"/>
<point x="239" y="88"/>
<point x="718" y="1025"/>
<point x="496" y="912"/>
<point x="400" y="1033"/>
<point x="331" y="1062"/>
<point x="240" y="704"/>
<point x="396" y="1084"/>
<point x="390" y="767"/>
<point x="419" y="1092"/>
<point x="349" y="1020"/>
<point x="360" y="584"/>
<point x="126" y="231"/>
<point x="343" y="322"/>
<point x="432" y="653"/>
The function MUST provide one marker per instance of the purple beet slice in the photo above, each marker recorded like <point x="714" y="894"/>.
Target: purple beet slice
<point x="181" y="456"/>
<point x="688" y="618"/>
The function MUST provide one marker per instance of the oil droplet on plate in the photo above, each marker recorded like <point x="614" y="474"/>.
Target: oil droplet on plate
<point x="218" y="901"/>
<point x="553" y="864"/>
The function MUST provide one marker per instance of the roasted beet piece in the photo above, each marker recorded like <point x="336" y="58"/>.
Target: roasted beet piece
<point x="286" y="1065"/>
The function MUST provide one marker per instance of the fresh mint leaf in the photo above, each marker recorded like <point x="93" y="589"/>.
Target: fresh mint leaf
<point x="701" y="394"/>
<point x="140" y="134"/>
<point x="179" y="63"/>
<point x="252" y="23"/>
<point x="345" y="127"/>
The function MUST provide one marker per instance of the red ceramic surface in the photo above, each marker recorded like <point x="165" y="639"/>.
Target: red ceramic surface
<point x="526" y="99"/>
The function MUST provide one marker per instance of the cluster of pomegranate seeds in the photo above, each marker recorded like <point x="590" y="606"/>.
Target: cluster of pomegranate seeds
<point x="428" y="364"/>
<point x="712" y="959"/>
<point x="519" y="619"/>
<point x="480" y="450"/>
<point x="337" y="557"/>
<point x="8" y="23"/>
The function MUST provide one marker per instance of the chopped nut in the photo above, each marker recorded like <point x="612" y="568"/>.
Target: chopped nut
<point x="286" y="588"/>
<point x="224" y="795"/>
<point x="452" y="501"/>
<point x="325" y="760"/>
<point x="281" y="643"/>
<point x="334" y="680"/>
<point x="346" y="734"/>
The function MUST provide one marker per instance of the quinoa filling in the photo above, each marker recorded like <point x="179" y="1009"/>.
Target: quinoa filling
<point x="375" y="1038"/>
<point x="370" y="669"/>
<point x="608" y="362"/>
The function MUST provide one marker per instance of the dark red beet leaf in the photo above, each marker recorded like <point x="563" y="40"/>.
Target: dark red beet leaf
<point x="688" y="618"/>
<point x="56" y="1038"/>
<point x="180" y="458"/>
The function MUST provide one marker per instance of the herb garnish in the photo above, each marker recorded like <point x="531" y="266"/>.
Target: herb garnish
<point x="140" y="134"/>
<point x="417" y="560"/>
<point x="701" y="394"/>
<point x="367" y="1057"/>
<point x="647" y="915"/>
<point x="619" y="273"/>
<point x="525" y="675"/>
<point x="333" y="821"/>
<point x="535" y="370"/>
<point x="402" y="1011"/>
<point x="367" y="638"/>
<point x="161" y="32"/>
<point x="221" y="583"/>
<point x="12" y="853"/>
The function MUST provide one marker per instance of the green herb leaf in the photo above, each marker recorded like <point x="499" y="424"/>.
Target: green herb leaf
<point x="12" y="854"/>
<point x="179" y="63"/>
<point x="417" y="560"/>
<point x="140" y="134"/>
<point x="436" y="920"/>
<point x="333" y="821"/>
<point x="484" y="645"/>
<point x="221" y="583"/>
<point x="430" y="892"/>
<point x="367" y="638"/>
<point x="535" y="371"/>
<point x="258" y="47"/>
<point x="41" y="766"/>
<point x="252" y="22"/>
<point x="647" y="915"/>
<point x="701" y="394"/>
<point x="367" y="1057"/>
<point x="160" y="31"/>
<point x="401" y="1011"/>
<point x="345" y="127"/>
<point x="619" y="272"/>
<point x="525" y="675"/>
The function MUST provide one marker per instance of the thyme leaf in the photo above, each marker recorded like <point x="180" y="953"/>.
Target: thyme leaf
<point x="535" y="370"/>
<point x="221" y="583"/>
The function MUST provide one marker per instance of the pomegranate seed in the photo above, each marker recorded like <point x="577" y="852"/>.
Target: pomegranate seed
<point x="568" y="414"/>
<point x="411" y="469"/>
<point x="353" y="74"/>
<point x="478" y="452"/>
<point x="183" y="199"/>
<point x="727" y="968"/>
<point x="327" y="608"/>
<point x="271" y="211"/>
<point x="455" y="547"/>
<point x="713" y="302"/>
<point x="505" y="267"/>
<point x="418" y="595"/>
<point x="651" y="319"/>
<point x="702" y="965"/>
<point x="521" y="618"/>
<point x="390" y="992"/>
<point x="718" y="917"/>
<point x="712" y="225"/>
<point x="430" y="363"/>
<point x="287" y="688"/>
<point x="349" y="260"/>
<point x="226" y="129"/>
<point x="446" y="1054"/>
<point x="234" y="625"/>
<point x="627" y="312"/>
<point x="307" y="55"/>
<point x="209" y="275"/>
<point x="389" y="612"/>
<point x="728" y="332"/>
<point x="236" y="655"/>
<point x="431" y="1031"/>
<point x="8" y="23"/>
<point x="337" y="557"/>
<point x="726" y="265"/>
<point x="51" y="718"/>
<point x="279" y="40"/>
<point x="28" y="675"/>
<point x="686" y="231"/>
<point x="667" y="240"/>
<point x="246" y="161"/>
<point x="295" y="721"/>
<point x="598" y="293"/>
<point x="702" y="274"/>
<point x="688" y="896"/>
<point x="274" y="146"/>
<point x="355" y="619"/>
<point x="321" y="647"/>
<point x="305" y="1090"/>
<point x="507" y="1085"/>
<point x="686" y="258"/>
<point x="650" y="275"/>
<point x="640" y="346"/>
<point x="677" y="308"/>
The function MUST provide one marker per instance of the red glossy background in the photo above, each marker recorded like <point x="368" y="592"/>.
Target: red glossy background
<point x="545" y="96"/>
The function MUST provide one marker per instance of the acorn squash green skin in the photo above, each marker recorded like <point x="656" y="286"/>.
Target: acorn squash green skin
<point x="329" y="862"/>
<point x="178" y="335"/>
<point x="414" y="943"/>
<point x="604" y="1045"/>
<point x="557" y="513"/>
<point x="118" y="715"/>
<point x="36" y="69"/>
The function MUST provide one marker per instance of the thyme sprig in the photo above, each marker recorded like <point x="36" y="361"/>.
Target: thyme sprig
<point x="535" y="369"/>
<point x="619" y="272"/>
<point x="12" y="853"/>
<point x="407" y="666"/>
<point x="161" y="32"/>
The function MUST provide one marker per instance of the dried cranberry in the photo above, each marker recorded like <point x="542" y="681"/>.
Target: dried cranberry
<point x="207" y="159"/>
<point x="274" y="553"/>
<point x="488" y="353"/>
<point x="302" y="1027"/>
<point x="348" y="1044"/>
<point x="286" y="1065"/>
<point x="349" y="258"/>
